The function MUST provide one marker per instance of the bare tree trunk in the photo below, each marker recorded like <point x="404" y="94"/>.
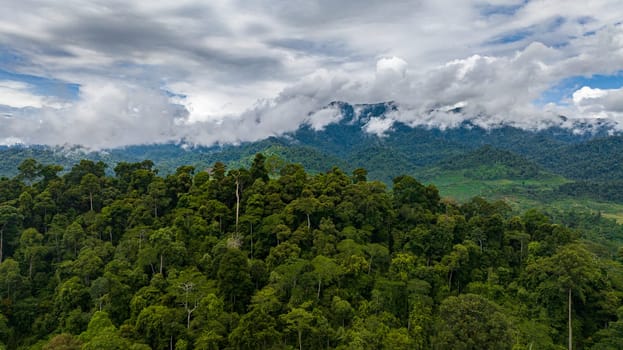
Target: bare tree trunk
<point x="450" y="280"/>
<point x="319" y="282"/>
<point x="161" y="262"/>
<point x="189" y="312"/>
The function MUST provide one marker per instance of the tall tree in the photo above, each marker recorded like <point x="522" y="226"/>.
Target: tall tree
<point x="258" y="168"/>
<point x="90" y="185"/>
<point x="9" y="221"/>
<point x="572" y="272"/>
<point x="31" y="248"/>
<point x="298" y="320"/>
<point x="234" y="279"/>
<point x="189" y="287"/>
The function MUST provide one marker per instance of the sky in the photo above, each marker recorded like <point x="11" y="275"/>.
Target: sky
<point x="112" y="73"/>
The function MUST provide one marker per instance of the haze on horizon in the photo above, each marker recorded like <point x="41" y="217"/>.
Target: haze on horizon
<point x="113" y="73"/>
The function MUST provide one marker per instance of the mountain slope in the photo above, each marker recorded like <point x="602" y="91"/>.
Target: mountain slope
<point x="598" y="159"/>
<point x="489" y="163"/>
<point x="401" y="149"/>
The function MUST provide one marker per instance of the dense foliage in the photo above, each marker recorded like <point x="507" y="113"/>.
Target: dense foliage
<point x="271" y="257"/>
<point x="604" y="190"/>
<point x="488" y="163"/>
<point x="583" y="153"/>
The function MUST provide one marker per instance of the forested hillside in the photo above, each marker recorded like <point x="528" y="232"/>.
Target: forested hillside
<point x="402" y="149"/>
<point x="272" y="257"/>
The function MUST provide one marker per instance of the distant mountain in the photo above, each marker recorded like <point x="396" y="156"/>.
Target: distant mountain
<point x="515" y="153"/>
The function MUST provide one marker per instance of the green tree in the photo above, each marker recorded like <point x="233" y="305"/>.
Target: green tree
<point x="360" y="175"/>
<point x="298" y="320"/>
<point x="256" y="330"/>
<point x="31" y="248"/>
<point x="49" y="172"/>
<point x="5" y="332"/>
<point x="258" y="169"/>
<point x="10" y="277"/>
<point x="101" y="334"/>
<point x="189" y="287"/>
<point x="90" y="185"/>
<point x="63" y="341"/>
<point x="165" y="245"/>
<point x="28" y="170"/>
<point x="74" y="237"/>
<point x="398" y="339"/>
<point x="234" y="279"/>
<point x="157" y="192"/>
<point x="159" y="326"/>
<point x="326" y="270"/>
<point x="471" y="322"/>
<point x="9" y="223"/>
<point x="305" y="204"/>
<point x="44" y="206"/>
<point x="209" y="320"/>
<point x="572" y="272"/>
<point x="610" y="338"/>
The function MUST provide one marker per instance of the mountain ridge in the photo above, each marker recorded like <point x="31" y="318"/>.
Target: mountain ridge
<point x="345" y="143"/>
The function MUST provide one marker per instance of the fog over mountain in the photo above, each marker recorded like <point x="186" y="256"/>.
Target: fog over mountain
<point x="107" y="74"/>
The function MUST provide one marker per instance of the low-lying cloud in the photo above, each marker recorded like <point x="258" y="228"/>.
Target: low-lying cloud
<point x="228" y="72"/>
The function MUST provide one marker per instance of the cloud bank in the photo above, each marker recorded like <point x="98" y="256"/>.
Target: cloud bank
<point x="231" y="71"/>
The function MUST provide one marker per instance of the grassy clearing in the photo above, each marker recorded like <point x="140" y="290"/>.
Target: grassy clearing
<point x="456" y="185"/>
<point x="521" y="195"/>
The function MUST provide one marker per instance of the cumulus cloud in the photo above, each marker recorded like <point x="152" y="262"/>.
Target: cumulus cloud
<point x="378" y="126"/>
<point x="600" y="103"/>
<point x="228" y="71"/>
<point x="18" y="95"/>
<point x="106" y="115"/>
<point x="320" y="119"/>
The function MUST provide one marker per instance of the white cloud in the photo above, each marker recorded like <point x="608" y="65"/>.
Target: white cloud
<point x="107" y="115"/>
<point x="17" y="94"/>
<point x="320" y="119"/>
<point x="10" y="141"/>
<point x="248" y="70"/>
<point x="378" y="126"/>
<point x="600" y="103"/>
<point x="394" y="67"/>
<point x="587" y="93"/>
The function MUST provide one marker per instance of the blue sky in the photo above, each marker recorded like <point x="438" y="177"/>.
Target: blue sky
<point x="113" y="73"/>
<point x="563" y="91"/>
<point x="44" y="86"/>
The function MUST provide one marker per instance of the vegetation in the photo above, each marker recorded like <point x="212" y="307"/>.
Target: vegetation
<point x="404" y="149"/>
<point x="488" y="163"/>
<point x="271" y="257"/>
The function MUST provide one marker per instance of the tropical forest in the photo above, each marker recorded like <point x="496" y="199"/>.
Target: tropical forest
<point x="270" y="256"/>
